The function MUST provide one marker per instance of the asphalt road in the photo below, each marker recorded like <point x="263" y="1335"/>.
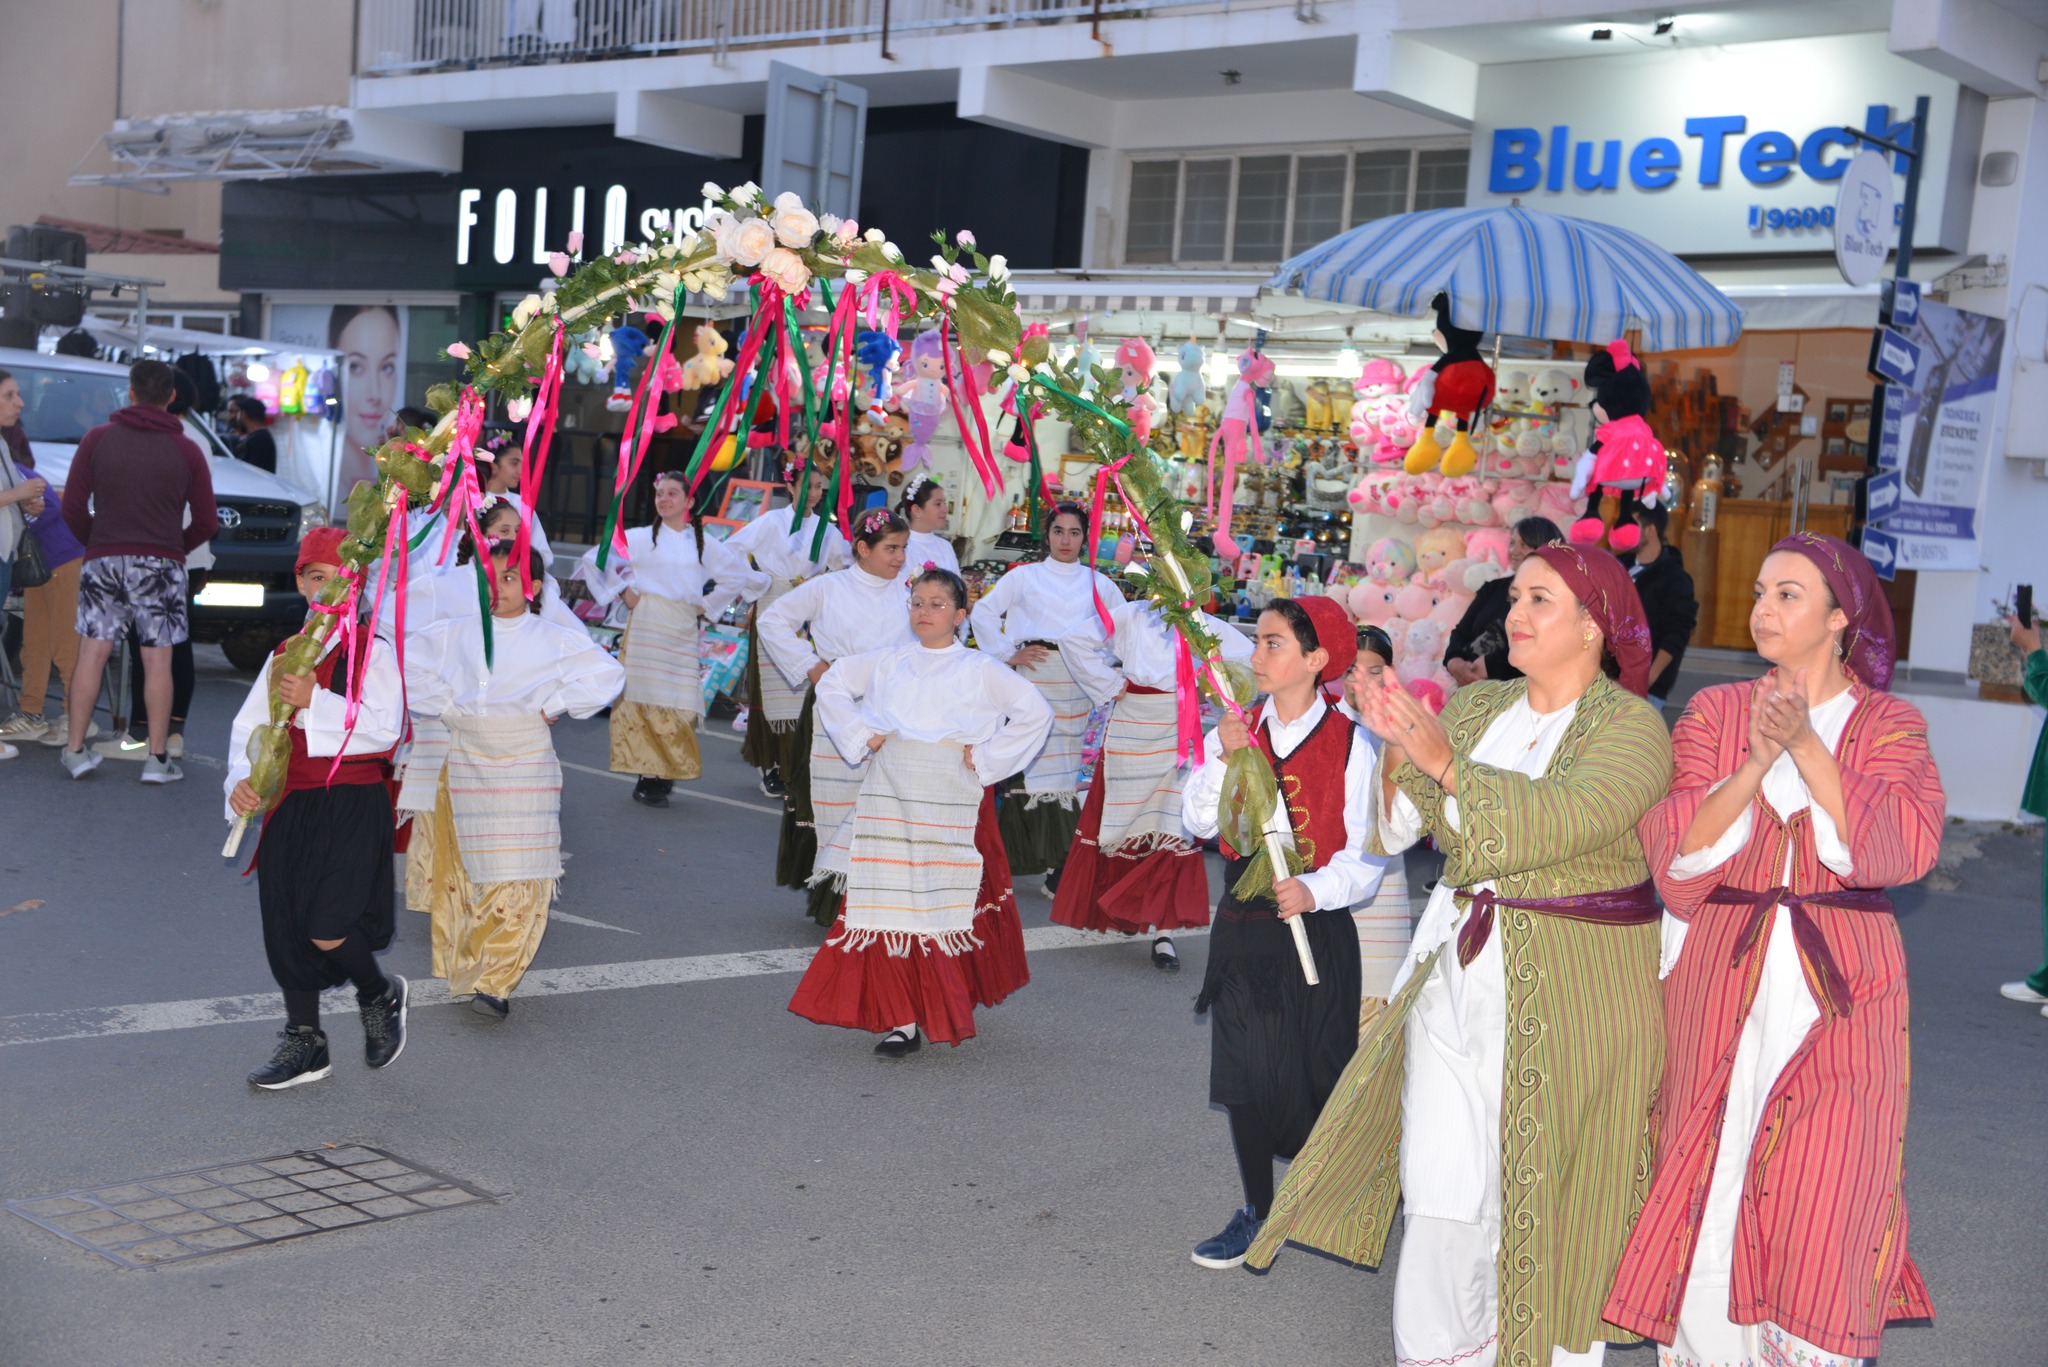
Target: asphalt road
<point x="689" y="1173"/>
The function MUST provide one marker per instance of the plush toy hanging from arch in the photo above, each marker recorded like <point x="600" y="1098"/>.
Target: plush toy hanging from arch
<point x="1459" y="387"/>
<point x="1624" y="458"/>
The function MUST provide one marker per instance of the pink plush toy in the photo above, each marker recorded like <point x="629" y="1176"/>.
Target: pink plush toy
<point x="1371" y="494"/>
<point x="1434" y="550"/>
<point x="1397" y="431"/>
<point x="1237" y="434"/>
<point x="924" y="398"/>
<point x="1415" y="601"/>
<point x="1554" y="501"/>
<point x="1373" y="602"/>
<point x="1427" y="692"/>
<point x="1419" y="656"/>
<point x="1474" y="500"/>
<point x="1513" y="501"/>
<point x="1390" y="561"/>
<point x="1407" y="494"/>
<point x="1488" y="543"/>
<point x="1380" y="378"/>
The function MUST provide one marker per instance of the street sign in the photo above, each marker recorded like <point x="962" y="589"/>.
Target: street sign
<point x="1863" y="217"/>
<point x="1882" y="496"/>
<point x="1894" y="358"/>
<point x="1901" y="304"/>
<point x="1881" y="549"/>
<point x="1888" y="426"/>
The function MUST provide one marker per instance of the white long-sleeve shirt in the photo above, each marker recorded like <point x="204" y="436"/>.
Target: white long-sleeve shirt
<point x="537" y="668"/>
<point x="918" y="693"/>
<point x="1142" y="650"/>
<point x="783" y="548"/>
<point x="452" y="592"/>
<point x="927" y="550"/>
<point x="667" y="566"/>
<point x="539" y="537"/>
<point x="379" y="721"/>
<point x="1352" y="875"/>
<point x="1047" y="601"/>
<point x="842" y="613"/>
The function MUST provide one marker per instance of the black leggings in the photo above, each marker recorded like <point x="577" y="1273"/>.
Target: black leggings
<point x="182" y="679"/>
<point x="1255" y="1155"/>
<point x="353" y="957"/>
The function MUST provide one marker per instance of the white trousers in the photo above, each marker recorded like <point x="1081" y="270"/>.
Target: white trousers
<point x="1446" y="1296"/>
<point x="1778" y="1021"/>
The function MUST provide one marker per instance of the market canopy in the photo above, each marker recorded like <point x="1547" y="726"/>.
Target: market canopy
<point x="1521" y="272"/>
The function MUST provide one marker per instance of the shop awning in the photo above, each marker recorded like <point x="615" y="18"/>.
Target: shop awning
<point x="121" y="337"/>
<point x="1794" y="296"/>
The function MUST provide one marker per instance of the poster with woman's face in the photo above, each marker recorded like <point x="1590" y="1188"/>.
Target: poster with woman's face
<point x="369" y="374"/>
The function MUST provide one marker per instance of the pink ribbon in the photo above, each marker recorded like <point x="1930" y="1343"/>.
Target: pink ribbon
<point x="984" y="459"/>
<point x="899" y="293"/>
<point x="1102" y="478"/>
<point x="540" y="430"/>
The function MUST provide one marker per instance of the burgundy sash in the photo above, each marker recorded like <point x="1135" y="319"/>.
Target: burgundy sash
<point x="1634" y="906"/>
<point x="1813" y="946"/>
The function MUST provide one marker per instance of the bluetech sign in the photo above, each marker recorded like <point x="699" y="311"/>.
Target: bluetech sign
<point x="1712" y="151"/>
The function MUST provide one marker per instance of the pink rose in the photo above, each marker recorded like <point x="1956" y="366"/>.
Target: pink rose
<point x="558" y="263"/>
<point x="786" y="269"/>
<point x="576" y="242"/>
<point x="459" y="350"/>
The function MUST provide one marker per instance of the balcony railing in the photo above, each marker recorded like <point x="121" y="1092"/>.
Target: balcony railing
<point x="405" y="37"/>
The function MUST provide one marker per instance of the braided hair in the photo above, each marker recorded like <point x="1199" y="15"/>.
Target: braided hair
<point x="675" y="477"/>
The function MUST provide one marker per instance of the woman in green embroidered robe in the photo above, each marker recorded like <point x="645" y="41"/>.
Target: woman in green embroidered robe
<point x="1506" y="1093"/>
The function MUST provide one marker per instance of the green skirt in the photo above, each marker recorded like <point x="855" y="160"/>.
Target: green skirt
<point x="797" y="849"/>
<point x="1036" y="838"/>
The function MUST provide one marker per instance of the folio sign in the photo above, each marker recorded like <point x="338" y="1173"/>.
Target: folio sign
<point x="548" y="228"/>
<point x="1729" y="150"/>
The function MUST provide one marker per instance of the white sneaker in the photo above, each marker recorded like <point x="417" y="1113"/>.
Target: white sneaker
<point x="123" y="747"/>
<point x="2044" y="1011"/>
<point x="24" y="728"/>
<point x="7" y="751"/>
<point x="156" y="770"/>
<point x="79" y="763"/>
<point x="2020" y="992"/>
<point x="176" y="748"/>
<point x="60" y="733"/>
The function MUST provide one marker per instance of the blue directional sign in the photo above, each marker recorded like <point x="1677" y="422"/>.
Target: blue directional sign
<point x="1882" y="550"/>
<point x="1904" y="298"/>
<point x="1882" y="496"/>
<point x="1895" y="358"/>
<point x="1888" y="419"/>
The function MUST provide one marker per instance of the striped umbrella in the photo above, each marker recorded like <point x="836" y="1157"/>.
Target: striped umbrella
<point x="1520" y="272"/>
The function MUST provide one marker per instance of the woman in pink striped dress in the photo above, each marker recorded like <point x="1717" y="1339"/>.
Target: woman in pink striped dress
<point x="1775" y="1231"/>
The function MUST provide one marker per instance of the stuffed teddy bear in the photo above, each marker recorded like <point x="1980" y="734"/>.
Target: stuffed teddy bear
<point x="1390" y="560"/>
<point x="1459" y="386"/>
<point x="1187" y="392"/>
<point x="1435" y="549"/>
<point x="1624" y="458"/>
<point x="629" y="344"/>
<point x="1554" y="501"/>
<point x="1430" y="693"/>
<point x="1370" y="495"/>
<point x="1471" y="501"/>
<point x="923" y="398"/>
<point x="1419" y="656"/>
<point x="1238" y="434"/>
<point x="1372" y="602"/>
<point x="1414" y="601"/>
<point x="1514" y="500"/>
<point x="1489" y="544"/>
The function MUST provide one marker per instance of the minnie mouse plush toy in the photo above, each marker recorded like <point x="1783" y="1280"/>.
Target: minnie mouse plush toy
<point x="1624" y="458"/>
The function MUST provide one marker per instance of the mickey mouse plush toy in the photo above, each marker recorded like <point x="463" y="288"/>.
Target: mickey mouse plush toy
<point x="1459" y="385"/>
<point x="1624" y="458"/>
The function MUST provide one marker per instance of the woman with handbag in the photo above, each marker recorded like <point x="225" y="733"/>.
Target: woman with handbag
<point x="21" y="498"/>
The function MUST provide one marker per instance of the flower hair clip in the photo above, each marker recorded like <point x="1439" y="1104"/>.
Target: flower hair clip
<point x="873" y="518"/>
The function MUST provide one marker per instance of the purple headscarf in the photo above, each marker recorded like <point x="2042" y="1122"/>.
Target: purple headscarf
<point x="1606" y="592"/>
<point x="1870" y="644"/>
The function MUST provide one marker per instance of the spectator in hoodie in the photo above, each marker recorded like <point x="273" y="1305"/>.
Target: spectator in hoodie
<point x="131" y="483"/>
<point x="1668" y="601"/>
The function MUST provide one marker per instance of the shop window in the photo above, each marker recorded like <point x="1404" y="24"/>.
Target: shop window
<point x="1258" y="209"/>
<point x="1155" y="192"/>
<point x="1318" y="201"/>
<point x="1205" y="211"/>
<point x="1440" y="178"/>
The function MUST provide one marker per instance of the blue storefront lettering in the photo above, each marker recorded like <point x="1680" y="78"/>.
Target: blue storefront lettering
<point x="1521" y="161"/>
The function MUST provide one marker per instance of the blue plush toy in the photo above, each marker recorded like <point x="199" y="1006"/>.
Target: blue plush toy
<point x="1188" y="389"/>
<point x="629" y="344"/>
<point x="876" y="353"/>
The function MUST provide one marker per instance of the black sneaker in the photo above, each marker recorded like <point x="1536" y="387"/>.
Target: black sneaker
<point x="301" y="1057"/>
<point x="384" y="1024"/>
<point x="771" y="784"/>
<point x="653" y="792"/>
<point x="494" y="1008"/>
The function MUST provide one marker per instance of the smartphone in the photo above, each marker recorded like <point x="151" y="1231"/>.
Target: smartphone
<point x="2023" y="604"/>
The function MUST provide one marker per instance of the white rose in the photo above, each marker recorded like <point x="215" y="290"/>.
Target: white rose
<point x="998" y="267"/>
<point x="517" y="409"/>
<point x="794" y="225"/>
<point x="527" y="308"/>
<point x="744" y="241"/>
<point x="892" y="252"/>
<point x="874" y="234"/>
<point x="748" y="193"/>
<point x="1019" y="373"/>
<point x="997" y="356"/>
<point x="856" y="276"/>
<point x="786" y="269"/>
<point x="711" y="191"/>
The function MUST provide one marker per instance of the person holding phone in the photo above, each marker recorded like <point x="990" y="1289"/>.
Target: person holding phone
<point x="2026" y="636"/>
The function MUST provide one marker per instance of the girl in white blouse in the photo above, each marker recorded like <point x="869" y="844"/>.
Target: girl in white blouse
<point x="925" y="507"/>
<point x="822" y="620"/>
<point x="929" y="928"/>
<point x="499" y="853"/>
<point x="670" y="577"/>
<point x="1029" y="620"/>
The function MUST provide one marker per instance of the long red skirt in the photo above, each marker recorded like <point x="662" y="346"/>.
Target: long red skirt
<point x="1166" y="888"/>
<point x="873" y="990"/>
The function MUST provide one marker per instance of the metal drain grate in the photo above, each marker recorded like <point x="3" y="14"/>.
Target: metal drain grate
<point x="212" y="1210"/>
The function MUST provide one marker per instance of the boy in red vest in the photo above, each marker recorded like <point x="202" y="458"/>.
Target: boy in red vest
<point x="1276" y="1043"/>
<point x="323" y="866"/>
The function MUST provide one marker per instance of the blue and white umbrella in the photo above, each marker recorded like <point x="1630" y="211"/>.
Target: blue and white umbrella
<point x="1519" y="272"/>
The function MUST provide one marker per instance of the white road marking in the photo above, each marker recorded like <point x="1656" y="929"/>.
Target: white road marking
<point x="150" y="1017"/>
<point x="677" y="792"/>
<point x="715" y="734"/>
<point x="559" y="915"/>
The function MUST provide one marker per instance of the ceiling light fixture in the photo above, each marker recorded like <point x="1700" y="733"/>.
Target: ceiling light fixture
<point x="1666" y="24"/>
<point x="1232" y="76"/>
<point x="1603" y="35"/>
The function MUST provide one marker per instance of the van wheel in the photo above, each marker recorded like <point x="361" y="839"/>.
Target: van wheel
<point x="249" y="647"/>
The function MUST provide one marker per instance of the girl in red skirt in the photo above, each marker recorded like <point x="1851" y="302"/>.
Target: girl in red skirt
<point x="1132" y="869"/>
<point x="929" y="927"/>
